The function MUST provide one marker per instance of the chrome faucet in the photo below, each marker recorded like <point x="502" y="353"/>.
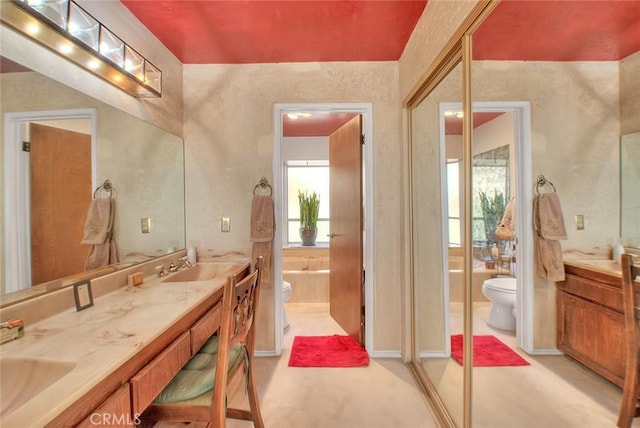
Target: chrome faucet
<point x="160" y="270"/>
<point x="182" y="261"/>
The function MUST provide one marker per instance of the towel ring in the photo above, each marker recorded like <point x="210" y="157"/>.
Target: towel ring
<point x="541" y="181"/>
<point x="106" y="186"/>
<point x="263" y="184"/>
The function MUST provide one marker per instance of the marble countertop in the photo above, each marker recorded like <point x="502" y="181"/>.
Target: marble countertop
<point x="100" y="339"/>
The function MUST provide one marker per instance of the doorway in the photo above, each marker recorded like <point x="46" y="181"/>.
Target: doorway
<point x="17" y="251"/>
<point x="521" y="185"/>
<point x="366" y="112"/>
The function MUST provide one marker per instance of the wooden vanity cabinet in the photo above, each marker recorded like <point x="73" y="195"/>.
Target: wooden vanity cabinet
<point x="590" y="325"/>
<point x="114" y="412"/>
<point x="151" y="380"/>
<point x="130" y="388"/>
<point x="157" y="374"/>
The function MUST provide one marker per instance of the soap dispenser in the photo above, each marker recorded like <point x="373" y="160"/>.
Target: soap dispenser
<point x="191" y="254"/>
<point x="618" y="250"/>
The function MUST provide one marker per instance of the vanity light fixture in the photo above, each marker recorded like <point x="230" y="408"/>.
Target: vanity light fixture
<point x="70" y="31"/>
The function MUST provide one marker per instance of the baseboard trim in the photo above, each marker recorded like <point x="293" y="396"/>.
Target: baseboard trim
<point x="546" y="351"/>
<point x="386" y="354"/>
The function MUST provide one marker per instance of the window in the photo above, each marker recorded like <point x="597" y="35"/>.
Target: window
<point x="490" y="175"/>
<point x="453" y="202"/>
<point x="312" y="176"/>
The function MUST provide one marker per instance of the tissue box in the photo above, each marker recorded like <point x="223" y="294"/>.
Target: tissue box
<point x="11" y="330"/>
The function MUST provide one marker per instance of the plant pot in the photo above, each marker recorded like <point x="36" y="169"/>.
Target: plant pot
<point x="308" y="236"/>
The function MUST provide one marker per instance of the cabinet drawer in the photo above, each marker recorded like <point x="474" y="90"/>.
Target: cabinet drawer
<point x="597" y="292"/>
<point x="204" y="328"/>
<point x="149" y="381"/>
<point x="114" y="412"/>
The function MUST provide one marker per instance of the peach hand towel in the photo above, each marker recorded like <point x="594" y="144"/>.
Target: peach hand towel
<point x="262" y="219"/>
<point x="549" y="264"/>
<point x="106" y="252"/>
<point x="99" y="221"/>
<point x="548" y="217"/>
<point x="263" y="249"/>
<point x="101" y="255"/>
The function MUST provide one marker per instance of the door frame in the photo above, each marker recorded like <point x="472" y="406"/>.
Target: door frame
<point x="366" y="110"/>
<point x="524" y="195"/>
<point x="17" y="208"/>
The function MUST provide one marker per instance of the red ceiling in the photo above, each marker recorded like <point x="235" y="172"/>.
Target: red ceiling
<point x="319" y="124"/>
<point x="560" y="30"/>
<point x="453" y="125"/>
<point x="263" y="31"/>
<point x="240" y="32"/>
<point x="8" y="66"/>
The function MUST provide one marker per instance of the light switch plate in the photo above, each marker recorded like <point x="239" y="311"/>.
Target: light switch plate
<point x="225" y="224"/>
<point x="145" y="224"/>
<point x="579" y="222"/>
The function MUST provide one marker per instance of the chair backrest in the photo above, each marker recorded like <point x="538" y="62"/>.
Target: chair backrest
<point x="631" y="294"/>
<point x="239" y="307"/>
<point x="630" y="300"/>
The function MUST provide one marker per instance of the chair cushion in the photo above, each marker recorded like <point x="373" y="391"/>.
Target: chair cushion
<point x="210" y="346"/>
<point x="198" y="375"/>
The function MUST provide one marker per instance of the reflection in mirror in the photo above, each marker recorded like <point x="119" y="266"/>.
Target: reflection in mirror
<point x="436" y="276"/>
<point x="630" y="189"/>
<point x="144" y="163"/>
<point x="522" y="52"/>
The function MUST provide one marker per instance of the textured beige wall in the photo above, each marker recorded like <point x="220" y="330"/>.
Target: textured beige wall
<point x="229" y="146"/>
<point x="630" y="94"/>
<point x="575" y="130"/>
<point x="440" y="19"/>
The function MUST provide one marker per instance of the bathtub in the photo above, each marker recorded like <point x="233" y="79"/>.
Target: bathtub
<point x="307" y="270"/>
<point x="456" y="279"/>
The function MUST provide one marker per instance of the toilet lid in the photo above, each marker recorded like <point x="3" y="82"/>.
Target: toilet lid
<point x="502" y="284"/>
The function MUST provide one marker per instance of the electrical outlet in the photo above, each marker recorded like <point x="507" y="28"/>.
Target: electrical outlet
<point x="225" y="224"/>
<point x="145" y="224"/>
<point x="579" y="222"/>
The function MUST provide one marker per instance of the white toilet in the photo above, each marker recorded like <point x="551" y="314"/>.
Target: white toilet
<point x="502" y="294"/>
<point x="286" y="295"/>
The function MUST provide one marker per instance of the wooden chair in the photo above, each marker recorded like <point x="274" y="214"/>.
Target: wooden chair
<point x="630" y="304"/>
<point x="232" y="363"/>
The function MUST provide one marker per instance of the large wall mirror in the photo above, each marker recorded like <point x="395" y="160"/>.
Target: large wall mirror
<point x="522" y="54"/>
<point x="437" y="279"/>
<point x="49" y="188"/>
<point x="560" y="115"/>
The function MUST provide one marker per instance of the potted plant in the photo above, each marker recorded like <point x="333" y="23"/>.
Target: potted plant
<point x="309" y="206"/>
<point x="492" y="212"/>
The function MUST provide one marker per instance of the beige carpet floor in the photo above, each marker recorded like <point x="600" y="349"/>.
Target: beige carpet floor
<point x="553" y="392"/>
<point x="381" y="395"/>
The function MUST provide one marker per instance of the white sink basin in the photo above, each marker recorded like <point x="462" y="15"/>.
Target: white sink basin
<point x="204" y="272"/>
<point x="24" y="378"/>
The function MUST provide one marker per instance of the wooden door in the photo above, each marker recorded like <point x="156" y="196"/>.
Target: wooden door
<point x="346" y="207"/>
<point x="60" y="165"/>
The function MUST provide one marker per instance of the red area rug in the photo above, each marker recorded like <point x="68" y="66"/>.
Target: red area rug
<point x="327" y="351"/>
<point x="488" y="351"/>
